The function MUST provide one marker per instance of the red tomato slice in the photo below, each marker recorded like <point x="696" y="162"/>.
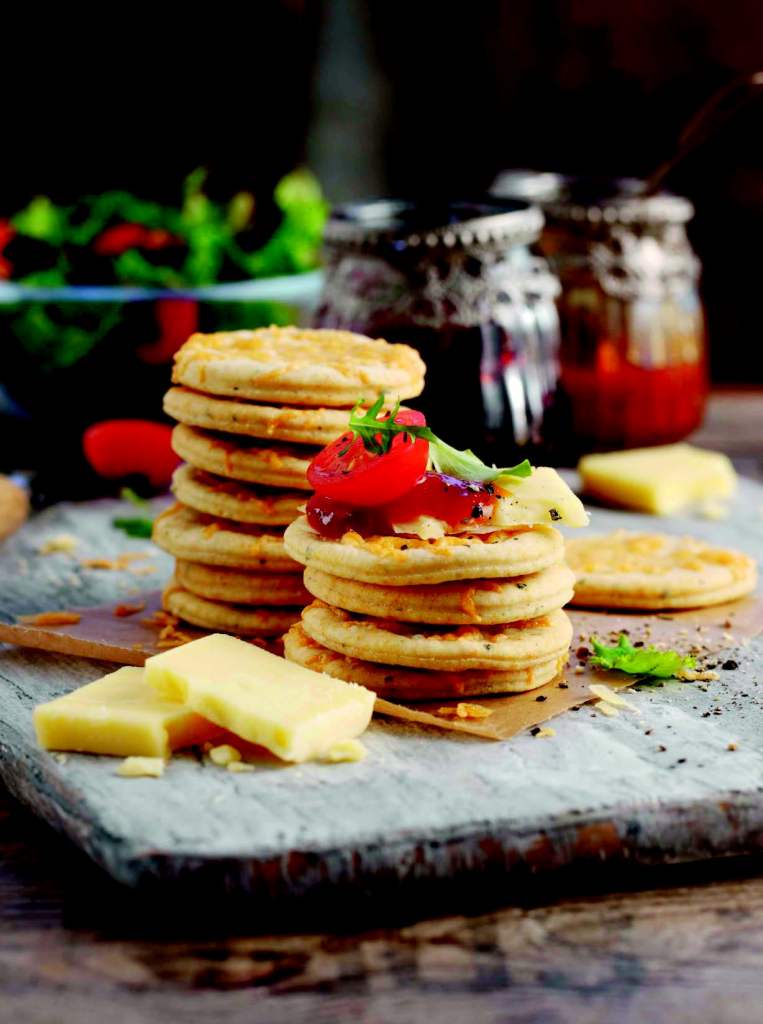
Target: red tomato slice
<point x="117" y="448"/>
<point x="359" y="478"/>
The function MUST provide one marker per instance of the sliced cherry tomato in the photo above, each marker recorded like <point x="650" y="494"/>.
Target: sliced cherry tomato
<point x="121" y="448"/>
<point x="348" y="473"/>
<point x="443" y="497"/>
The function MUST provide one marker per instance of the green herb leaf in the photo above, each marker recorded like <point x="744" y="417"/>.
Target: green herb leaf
<point x="42" y="220"/>
<point x="377" y="436"/>
<point x="639" y="661"/>
<point x="128" y="494"/>
<point x="134" y="527"/>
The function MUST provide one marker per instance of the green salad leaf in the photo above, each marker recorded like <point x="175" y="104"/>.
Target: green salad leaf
<point x="377" y="436"/>
<point x="134" y="527"/>
<point x="639" y="661"/>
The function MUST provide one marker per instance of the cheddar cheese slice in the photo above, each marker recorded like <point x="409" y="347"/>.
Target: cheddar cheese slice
<point x="120" y="715"/>
<point x="292" y="711"/>
<point x="660" y="480"/>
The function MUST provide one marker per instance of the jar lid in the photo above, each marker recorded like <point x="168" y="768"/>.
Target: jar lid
<point x="588" y="200"/>
<point x="485" y="223"/>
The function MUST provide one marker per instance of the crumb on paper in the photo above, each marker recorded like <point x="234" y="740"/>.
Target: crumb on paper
<point x="545" y="733"/>
<point x="141" y="768"/>
<point x="610" y="698"/>
<point x="51" y="619"/>
<point x="160" y="618"/>
<point x="463" y="710"/>
<point x="58" y="543"/>
<point x="240" y="766"/>
<point x="170" y="637"/>
<point x="731" y="746"/>
<point x="123" y="611"/>
<point x="344" y="750"/>
<point x="579" y="670"/>
<point x="224" y="755"/>
<point x="61" y="758"/>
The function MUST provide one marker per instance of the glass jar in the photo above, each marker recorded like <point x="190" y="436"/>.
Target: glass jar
<point x="459" y="282"/>
<point x="633" y="351"/>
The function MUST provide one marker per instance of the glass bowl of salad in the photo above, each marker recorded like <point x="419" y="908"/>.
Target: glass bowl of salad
<point x="96" y="298"/>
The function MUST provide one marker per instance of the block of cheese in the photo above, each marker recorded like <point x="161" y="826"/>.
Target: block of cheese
<point x="120" y="715"/>
<point x="659" y="480"/>
<point x="292" y="711"/>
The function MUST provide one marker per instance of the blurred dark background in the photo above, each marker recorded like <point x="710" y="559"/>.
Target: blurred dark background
<point x="387" y="96"/>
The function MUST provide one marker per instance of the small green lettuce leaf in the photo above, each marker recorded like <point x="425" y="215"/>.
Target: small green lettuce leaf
<point x="134" y="527"/>
<point x="377" y="436"/>
<point x="639" y="661"/>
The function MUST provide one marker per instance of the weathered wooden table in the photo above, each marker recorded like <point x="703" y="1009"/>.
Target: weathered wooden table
<point x="674" y="944"/>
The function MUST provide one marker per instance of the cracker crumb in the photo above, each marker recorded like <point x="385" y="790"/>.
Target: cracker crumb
<point x="609" y="697"/>
<point x="61" y="758"/>
<point x="58" y="543"/>
<point x="731" y="746"/>
<point x="141" y="767"/>
<point x="462" y="710"/>
<point x="240" y="766"/>
<point x="344" y="750"/>
<point x="142" y="570"/>
<point x="691" y="675"/>
<point x="121" y="562"/>
<point x="545" y="733"/>
<point x="123" y="611"/>
<point x="224" y="755"/>
<point x="51" y="619"/>
<point x="712" y="508"/>
<point x="607" y="709"/>
<point x="579" y="670"/>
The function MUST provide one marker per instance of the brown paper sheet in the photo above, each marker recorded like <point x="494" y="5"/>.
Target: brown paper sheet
<point x="129" y="641"/>
<point x="99" y="633"/>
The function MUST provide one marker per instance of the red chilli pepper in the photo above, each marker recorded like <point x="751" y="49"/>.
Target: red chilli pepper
<point x="121" y="237"/>
<point x="7" y="233"/>
<point x="122" y="448"/>
<point x="177" y="319"/>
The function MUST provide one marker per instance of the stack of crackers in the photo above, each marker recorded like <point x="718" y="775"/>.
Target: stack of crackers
<point x="253" y="408"/>
<point x="413" y="619"/>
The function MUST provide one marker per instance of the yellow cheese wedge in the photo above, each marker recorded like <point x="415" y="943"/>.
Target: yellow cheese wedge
<point x="542" y="497"/>
<point x="659" y="480"/>
<point x="292" y="711"/>
<point x="120" y="715"/>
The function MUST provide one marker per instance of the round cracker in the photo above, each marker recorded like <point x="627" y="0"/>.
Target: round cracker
<point x="405" y="684"/>
<point x="234" y="586"/>
<point x="505" y="647"/>
<point x="231" y="499"/>
<point x="462" y="602"/>
<point x="196" y="537"/>
<point x="298" y="366"/>
<point x="14" y="507"/>
<point x="654" y="571"/>
<point x="227" y="618"/>
<point x="232" y="416"/>
<point x="403" y="561"/>
<point x="239" y="458"/>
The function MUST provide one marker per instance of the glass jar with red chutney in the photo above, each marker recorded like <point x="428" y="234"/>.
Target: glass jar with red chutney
<point x="461" y="282"/>
<point x="633" y="350"/>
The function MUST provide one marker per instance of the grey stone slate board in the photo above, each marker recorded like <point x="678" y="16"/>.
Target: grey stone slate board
<point x="424" y="806"/>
